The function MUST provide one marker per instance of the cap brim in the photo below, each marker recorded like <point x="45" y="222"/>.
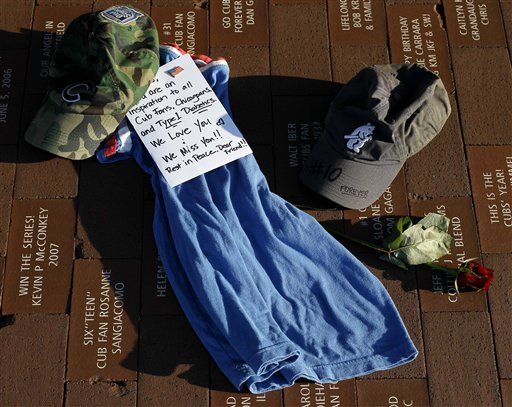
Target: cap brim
<point x="69" y="135"/>
<point x="349" y="183"/>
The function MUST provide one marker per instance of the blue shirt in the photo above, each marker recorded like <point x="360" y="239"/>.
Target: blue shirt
<point x="272" y="296"/>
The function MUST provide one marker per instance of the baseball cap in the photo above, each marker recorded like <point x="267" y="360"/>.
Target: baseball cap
<point x="381" y="117"/>
<point x="103" y="65"/>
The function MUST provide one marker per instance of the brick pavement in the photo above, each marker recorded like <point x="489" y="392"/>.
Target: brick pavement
<point x="287" y="59"/>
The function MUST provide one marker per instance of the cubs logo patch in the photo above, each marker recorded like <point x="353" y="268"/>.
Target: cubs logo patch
<point x="359" y="137"/>
<point x="121" y="14"/>
<point x="71" y="93"/>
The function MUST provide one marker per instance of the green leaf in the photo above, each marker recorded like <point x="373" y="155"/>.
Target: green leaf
<point x="395" y="237"/>
<point x="435" y="219"/>
<point x="421" y="245"/>
<point x="393" y="260"/>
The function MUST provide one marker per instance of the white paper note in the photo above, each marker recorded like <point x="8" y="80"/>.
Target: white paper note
<point x="183" y="124"/>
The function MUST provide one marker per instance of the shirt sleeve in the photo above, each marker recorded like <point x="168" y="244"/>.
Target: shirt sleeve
<point x="118" y="146"/>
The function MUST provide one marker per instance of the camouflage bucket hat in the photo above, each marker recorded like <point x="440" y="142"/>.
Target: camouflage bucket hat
<point x="102" y="67"/>
<point x="380" y="118"/>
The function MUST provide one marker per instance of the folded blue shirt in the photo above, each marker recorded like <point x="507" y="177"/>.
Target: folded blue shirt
<point x="272" y="296"/>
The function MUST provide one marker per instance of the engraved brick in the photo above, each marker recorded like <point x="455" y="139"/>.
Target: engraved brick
<point x="32" y="370"/>
<point x="309" y="394"/>
<point x="347" y="61"/>
<point x="297" y="1"/>
<point x="234" y="23"/>
<point x="401" y="286"/>
<point x="43" y="175"/>
<point x="2" y="271"/>
<point x="173" y="367"/>
<point x="12" y="78"/>
<point x="500" y="302"/>
<point x="485" y="118"/>
<point x="374" y="223"/>
<point x="506" y="392"/>
<point x="357" y="22"/>
<point x="7" y="171"/>
<point x="489" y="169"/>
<point x="399" y="392"/>
<point x="39" y="256"/>
<point x="110" y="210"/>
<point x="163" y="3"/>
<point x="449" y="176"/>
<point x="455" y="341"/>
<point x="416" y="35"/>
<point x="16" y="21"/>
<point x="223" y="393"/>
<point x="299" y="49"/>
<point x="183" y="24"/>
<point x="249" y="91"/>
<point x="406" y="2"/>
<point x="47" y="29"/>
<point x="298" y="123"/>
<point x="157" y="295"/>
<point x="437" y="291"/>
<point x="65" y="2"/>
<point x="506" y="11"/>
<point x="265" y="157"/>
<point x="142" y="5"/>
<point x="103" y="331"/>
<point x="474" y="23"/>
<point x="114" y="394"/>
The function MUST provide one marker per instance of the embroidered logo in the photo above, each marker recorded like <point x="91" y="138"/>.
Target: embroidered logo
<point x="358" y="193"/>
<point x="121" y="14"/>
<point x="71" y="93"/>
<point x="358" y="138"/>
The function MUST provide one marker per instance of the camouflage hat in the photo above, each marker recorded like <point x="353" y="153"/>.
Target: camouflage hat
<point x="383" y="116"/>
<point x="102" y="67"/>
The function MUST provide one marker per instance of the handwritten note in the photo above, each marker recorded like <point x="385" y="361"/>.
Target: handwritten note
<point x="183" y="124"/>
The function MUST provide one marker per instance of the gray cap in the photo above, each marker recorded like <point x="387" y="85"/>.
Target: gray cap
<point x="384" y="115"/>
